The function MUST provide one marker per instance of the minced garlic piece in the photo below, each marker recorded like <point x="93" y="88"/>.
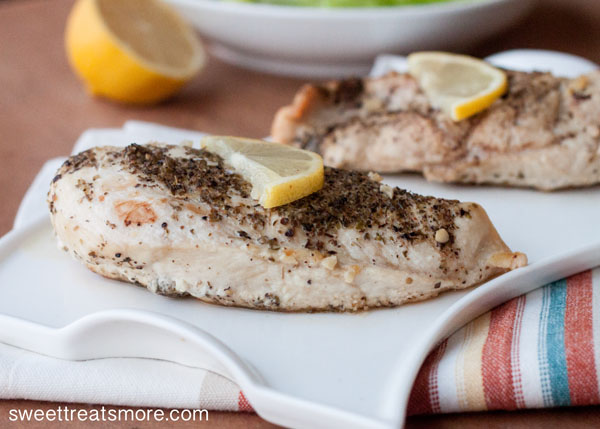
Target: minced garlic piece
<point x="330" y="262"/>
<point x="351" y="273"/>
<point x="387" y="190"/>
<point x="375" y="176"/>
<point x="442" y="236"/>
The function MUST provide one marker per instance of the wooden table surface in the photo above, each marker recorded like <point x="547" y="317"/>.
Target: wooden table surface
<point x="43" y="109"/>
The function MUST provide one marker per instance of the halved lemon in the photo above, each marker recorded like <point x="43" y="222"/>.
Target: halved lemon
<point x="459" y="85"/>
<point x="133" y="51"/>
<point x="279" y="174"/>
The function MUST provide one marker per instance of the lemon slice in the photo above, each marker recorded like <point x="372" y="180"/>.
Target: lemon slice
<point x="459" y="85"/>
<point x="133" y="51"/>
<point x="279" y="174"/>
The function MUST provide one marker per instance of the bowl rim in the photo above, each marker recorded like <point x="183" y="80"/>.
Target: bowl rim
<point x="284" y="11"/>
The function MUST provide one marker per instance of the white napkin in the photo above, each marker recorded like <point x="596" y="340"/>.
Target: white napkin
<point x="133" y="382"/>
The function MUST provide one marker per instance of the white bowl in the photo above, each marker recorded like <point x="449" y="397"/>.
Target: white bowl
<point x="320" y="42"/>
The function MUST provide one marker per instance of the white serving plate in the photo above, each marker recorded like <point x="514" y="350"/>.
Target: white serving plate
<point x="318" y="42"/>
<point x="298" y="370"/>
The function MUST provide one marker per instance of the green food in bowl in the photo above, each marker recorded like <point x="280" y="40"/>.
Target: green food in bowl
<point x="344" y="3"/>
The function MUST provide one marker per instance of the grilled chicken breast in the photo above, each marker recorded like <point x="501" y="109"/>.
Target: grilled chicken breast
<point x="544" y="133"/>
<point x="179" y="221"/>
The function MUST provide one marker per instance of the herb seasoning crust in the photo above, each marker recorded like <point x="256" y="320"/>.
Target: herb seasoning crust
<point x="180" y="221"/>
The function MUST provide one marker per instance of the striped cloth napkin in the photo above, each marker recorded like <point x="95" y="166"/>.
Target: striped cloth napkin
<point x="538" y="350"/>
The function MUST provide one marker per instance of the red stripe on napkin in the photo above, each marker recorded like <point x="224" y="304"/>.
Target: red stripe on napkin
<point x="496" y="365"/>
<point x="434" y="391"/>
<point x="579" y="341"/>
<point x="516" y="353"/>
<point x="243" y="404"/>
<point x="420" y="401"/>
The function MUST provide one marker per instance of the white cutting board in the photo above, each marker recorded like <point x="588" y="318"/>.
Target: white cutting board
<point x="300" y="370"/>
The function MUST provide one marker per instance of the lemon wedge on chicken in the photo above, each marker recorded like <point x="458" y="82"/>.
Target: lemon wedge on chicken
<point x="279" y="174"/>
<point x="459" y="85"/>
